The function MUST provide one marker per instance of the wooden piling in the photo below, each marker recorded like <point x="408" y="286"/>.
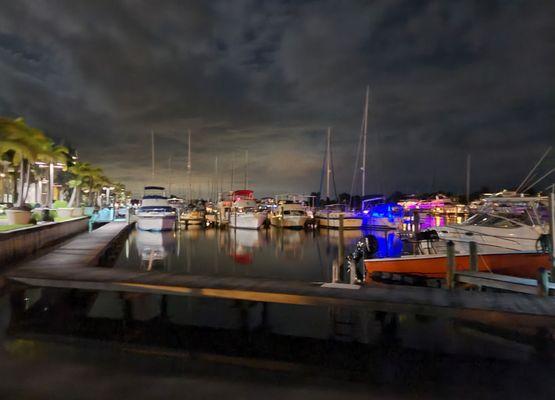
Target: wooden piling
<point x="543" y="282"/>
<point x="451" y="265"/>
<point x="473" y="257"/>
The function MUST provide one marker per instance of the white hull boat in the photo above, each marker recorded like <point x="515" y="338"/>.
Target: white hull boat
<point x="155" y="213"/>
<point x="246" y="220"/>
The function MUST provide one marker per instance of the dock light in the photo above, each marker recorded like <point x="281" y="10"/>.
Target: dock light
<point x="2" y="175"/>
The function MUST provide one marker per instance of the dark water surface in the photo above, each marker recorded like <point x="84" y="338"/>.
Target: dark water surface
<point x="85" y="344"/>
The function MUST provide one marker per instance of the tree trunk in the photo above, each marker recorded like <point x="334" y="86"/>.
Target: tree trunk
<point x="20" y="198"/>
<point x="27" y="180"/>
<point x="72" y="198"/>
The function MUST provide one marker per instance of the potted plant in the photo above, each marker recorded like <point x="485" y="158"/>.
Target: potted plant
<point x="62" y="210"/>
<point x="20" y="215"/>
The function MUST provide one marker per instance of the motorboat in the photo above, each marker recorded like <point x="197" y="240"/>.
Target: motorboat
<point x="289" y="213"/>
<point x="502" y="224"/>
<point x="332" y="215"/>
<point x="155" y="212"/>
<point x="377" y="213"/>
<point x="244" y="211"/>
<point x="193" y="215"/>
<point x="507" y="231"/>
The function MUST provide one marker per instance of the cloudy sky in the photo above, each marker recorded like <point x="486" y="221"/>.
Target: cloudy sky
<point x="446" y="79"/>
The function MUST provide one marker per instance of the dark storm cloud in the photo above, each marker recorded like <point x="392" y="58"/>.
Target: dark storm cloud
<point x="446" y="79"/>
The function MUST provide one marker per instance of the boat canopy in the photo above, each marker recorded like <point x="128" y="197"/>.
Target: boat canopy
<point x="243" y="194"/>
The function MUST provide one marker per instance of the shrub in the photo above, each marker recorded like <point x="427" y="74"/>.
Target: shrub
<point x="60" y="204"/>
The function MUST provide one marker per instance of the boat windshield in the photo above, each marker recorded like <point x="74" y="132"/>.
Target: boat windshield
<point x="499" y="221"/>
<point x="296" y="213"/>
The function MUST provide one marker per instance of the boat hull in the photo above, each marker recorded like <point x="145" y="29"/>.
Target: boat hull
<point x="156" y="223"/>
<point x="524" y="265"/>
<point x="246" y="221"/>
<point x="291" y="222"/>
<point x="348" y="223"/>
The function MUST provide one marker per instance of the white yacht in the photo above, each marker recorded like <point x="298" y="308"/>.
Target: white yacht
<point x="244" y="211"/>
<point x="332" y="214"/>
<point x="503" y="223"/>
<point x="289" y="213"/>
<point x="155" y="213"/>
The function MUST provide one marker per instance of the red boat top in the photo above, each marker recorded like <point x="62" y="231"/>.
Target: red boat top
<point x="243" y="194"/>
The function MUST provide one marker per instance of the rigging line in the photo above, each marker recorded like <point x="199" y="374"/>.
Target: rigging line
<point x="540" y="179"/>
<point x="533" y="169"/>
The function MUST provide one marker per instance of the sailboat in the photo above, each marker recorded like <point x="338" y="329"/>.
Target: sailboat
<point x="194" y="213"/>
<point x="334" y="215"/>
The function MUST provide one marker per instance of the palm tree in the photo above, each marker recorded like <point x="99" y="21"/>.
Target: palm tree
<point x="24" y="143"/>
<point x="81" y="171"/>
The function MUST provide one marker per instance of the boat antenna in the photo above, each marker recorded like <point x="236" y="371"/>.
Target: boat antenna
<point x="539" y="179"/>
<point x="533" y="169"/>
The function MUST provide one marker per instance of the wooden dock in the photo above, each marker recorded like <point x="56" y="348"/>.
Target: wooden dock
<point x="72" y="266"/>
<point x="84" y="250"/>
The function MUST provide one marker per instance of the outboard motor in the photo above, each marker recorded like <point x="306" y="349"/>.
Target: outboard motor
<point x="365" y="248"/>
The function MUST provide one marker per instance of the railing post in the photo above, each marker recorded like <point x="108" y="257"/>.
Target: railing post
<point x="451" y="265"/>
<point x="552" y="228"/>
<point x="543" y="282"/>
<point x="473" y="256"/>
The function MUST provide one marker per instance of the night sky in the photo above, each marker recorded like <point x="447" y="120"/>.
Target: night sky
<point x="446" y="79"/>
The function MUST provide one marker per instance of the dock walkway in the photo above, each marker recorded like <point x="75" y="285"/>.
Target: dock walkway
<point x="82" y="251"/>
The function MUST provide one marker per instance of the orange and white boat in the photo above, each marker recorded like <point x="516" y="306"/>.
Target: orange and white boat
<point x="524" y="264"/>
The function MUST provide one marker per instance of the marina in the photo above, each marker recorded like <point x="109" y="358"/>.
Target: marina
<point x="277" y="200"/>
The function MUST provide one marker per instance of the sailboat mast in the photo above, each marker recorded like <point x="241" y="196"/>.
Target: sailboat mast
<point x="246" y="169"/>
<point x="189" y="163"/>
<point x="364" y="135"/>
<point x="232" y="171"/>
<point x="328" y="163"/>
<point x="152" y="150"/>
<point x="215" y="181"/>
<point x="170" y="176"/>
<point x="468" y="160"/>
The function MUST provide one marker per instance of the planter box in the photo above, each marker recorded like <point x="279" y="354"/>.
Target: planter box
<point x="65" y="212"/>
<point x="77" y="212"/>
<point x="18" y="217"/>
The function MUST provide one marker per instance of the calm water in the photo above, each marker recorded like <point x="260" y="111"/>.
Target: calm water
<point x="268" y="253"/>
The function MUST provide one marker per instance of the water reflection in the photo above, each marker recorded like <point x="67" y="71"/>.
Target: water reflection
<point x="153" y="248"/>
<point x="270" y="253"/>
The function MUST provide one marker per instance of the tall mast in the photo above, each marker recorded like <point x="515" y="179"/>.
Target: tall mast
<point x="232" y="171"/>
<point x="364" y="135"/>
<point x="215" y="181"/>
<point x="170" y="176"/>
<point x="468" y="160"/>
<point x="189" y="163"/>
<point x="152" y="151"/>
<point x="328" y="163"/>
<point x="246" y="169"/>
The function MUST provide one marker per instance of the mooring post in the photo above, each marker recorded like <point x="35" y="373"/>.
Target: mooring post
<point x="416" y="222"/>
<point x="128" y="216"/>
<point x="543" y="282"/>
<point x="473" y="256"/>
<point x="552" y="228"/>
<point x="334" y="271"/>
<point x="451" y="265"/>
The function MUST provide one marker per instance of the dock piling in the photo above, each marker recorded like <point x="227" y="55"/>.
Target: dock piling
<point x="451" y="265"/>
<point x="543" y="282"/>
<point x="473" y="256"/>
